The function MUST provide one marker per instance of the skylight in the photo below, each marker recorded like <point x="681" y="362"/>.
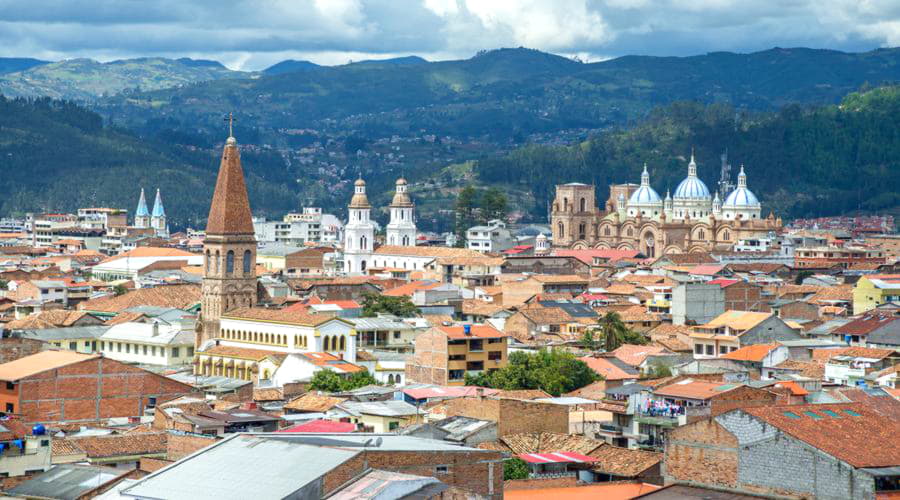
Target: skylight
<point x="790" y="414"/>
<point x="831" y="413"/>
<point x="813" y="415"/>
<point x="852" y="413"/>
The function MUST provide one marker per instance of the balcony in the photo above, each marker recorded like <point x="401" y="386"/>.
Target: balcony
<point x="609" y="429"/>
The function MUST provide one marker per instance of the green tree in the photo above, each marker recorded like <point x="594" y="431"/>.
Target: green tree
<point x="493" y="205"/>
<point x="802" y="275"/>
<point x="466" y="203"/>
<point x="589" y="340"/>
<point x="329" y="381"/>
<point x="658" y="370"/>
<point x="553" y="371"/>
<point x="120" y="290"/>
<point x="401" y="306"/>
<point x="615" y="333"/>
<point x="3" y="284"/>
<point x="326" y="381"/>
<point x="515" y="468"/>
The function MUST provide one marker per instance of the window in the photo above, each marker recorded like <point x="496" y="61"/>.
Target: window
<point x="190" y="352"/>
<point x="561" y="230"/>
<point x="45" y="442"/>
<point x="710" y="349"/>
<point x="94" y="346"/>
<point x="495" y="355"/>
<point x="698" y="349"/>
<point x="10" y="407"/>
<point x="73" y="346"/>
<point x="442" y="469"/>
<point x="723" y="349"/>
<point x="154" y="350"/>
<point x="393" y="426"/>
<point x="102" y="345"/>
<point x="145" y="350"/>
<point x="396" y="335"/>
<point x="207" y="261"/>
<point x="229" y="263"/>
<point x="118" y="346"/>
<point x="128" y="348"/>
<point x="10" y="386"/>
<point x="247" y="262"/>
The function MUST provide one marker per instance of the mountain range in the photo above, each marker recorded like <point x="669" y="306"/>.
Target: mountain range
<point x="165" y="116"/>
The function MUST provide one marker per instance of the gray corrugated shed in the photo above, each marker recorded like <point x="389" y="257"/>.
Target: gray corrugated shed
<point x="71" y="332"/>
<point x="66" y="481"/>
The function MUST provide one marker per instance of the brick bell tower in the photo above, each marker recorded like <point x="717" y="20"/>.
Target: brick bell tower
<point x="229" y="250"/>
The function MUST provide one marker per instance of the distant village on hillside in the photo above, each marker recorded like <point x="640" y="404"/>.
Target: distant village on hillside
<point x="643" y="346"/>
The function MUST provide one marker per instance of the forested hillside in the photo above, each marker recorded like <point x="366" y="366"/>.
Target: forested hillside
<point x="799" y="161"/>
<point x="56" y="156"/>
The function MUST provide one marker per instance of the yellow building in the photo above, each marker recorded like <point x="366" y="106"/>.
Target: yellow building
<point x="445" y="354"/>
<point x="876" y="289"/>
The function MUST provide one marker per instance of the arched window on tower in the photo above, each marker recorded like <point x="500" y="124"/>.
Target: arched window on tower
<point x="583" y="205"/>
<point x="208" y="263"/>
<point x="581" y="230"/>
<point x="561" y="230"/>
<point x="606" y="231"/>
<point x="565" y="204"/>
<point x="343" y="343"/>
<point x="701" y="235"/>
<point x="362" y="242"/>
<point x="229" y="263"/>
<point x="216" y="262"/>
<point x="248" y="262"/>
<point x="629" y="232"/>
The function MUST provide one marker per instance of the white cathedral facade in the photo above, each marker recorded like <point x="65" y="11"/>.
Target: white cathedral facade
<point x="359" y="232"/>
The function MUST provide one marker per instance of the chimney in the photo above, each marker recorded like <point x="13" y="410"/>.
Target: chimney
<point x="467" y="329"/>
<point x="155" y="328"/>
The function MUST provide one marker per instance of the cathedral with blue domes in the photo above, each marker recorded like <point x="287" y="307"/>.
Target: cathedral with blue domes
<point x="636" y="217"/>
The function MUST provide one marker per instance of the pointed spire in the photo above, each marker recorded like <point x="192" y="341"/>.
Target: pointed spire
<point x="645" y="176"/>
<point x="229" y="212"/>
<point x="142" y="206"/>
<point x="742" y="178"/>
<point x="692" y="166"/>
<point x="158" y="210"/>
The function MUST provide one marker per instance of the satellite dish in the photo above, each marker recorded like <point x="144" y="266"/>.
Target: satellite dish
<point x="378" y="442"/>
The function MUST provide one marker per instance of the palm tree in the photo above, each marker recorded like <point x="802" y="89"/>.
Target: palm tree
<point x="614" y="331"/>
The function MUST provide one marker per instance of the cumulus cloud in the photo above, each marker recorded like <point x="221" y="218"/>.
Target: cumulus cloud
<point x="251" y="34"/>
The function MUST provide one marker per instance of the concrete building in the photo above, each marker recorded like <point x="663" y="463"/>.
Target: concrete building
<point x="155" y="342"/>
<point x="23" y="450"/>
<point x="874" y="290"/>
<point x="492" y="237"/>
<point x="697" y="303"/>
<point x="445" y="354"/>
<point x="732" y="330"/>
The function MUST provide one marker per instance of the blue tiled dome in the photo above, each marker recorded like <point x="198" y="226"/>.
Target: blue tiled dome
<point x="691" y="187"/>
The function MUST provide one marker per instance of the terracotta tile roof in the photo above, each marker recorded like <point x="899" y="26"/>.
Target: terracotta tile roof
<point x="794" y="388"/>
<point x="866" y="324"/>
<point x="639" y="313"/>
<point x="40" y="362"/>
<point x="620" y="288"/>
<point x="313" y="403"/>
<point x="761" y="267"/>
<point x="435" y="252"/>
<point x="268" y="394"/>
<point x="694" y="389"/>
<point x="707" y="269"/>
<point x="607" y="491"/>
<point x="671" y="343"/>
<point x="634" y="355"/>
<point x="827" y="295"/>
<point x="623" y="462"/>
<point x="480" y="308"/>
<point x="808" y="369"/>
<point x="120" y="445"/>
<point x="594" y="390"/>
<point x="560" y="278"/>
<point x="690" y="258"/>
<point x="174" y="296"/>
<point x="54" y="318"/>
<point x="62" y="447"/>
<point x="247" y="353"/>
<point x="478" y="331"/>
<point x="522" y="394"/>
<point x="410" y="288"/>
<point x="723" y="282"/>
<point x="547" y="315"/>
<point x="755" y="352"/>
<point x="647" y="279"/>
<point x="857" y="352"/>
<point x="125" y="317"/>
<point x="587" y="256"/>
<point x="324" y="359"/>
<point x="545" y="442"/>
<point x="848" y="437"/>
<point x="797" y="290"/>
<point x="608" y="369"/>
<point x="471" y="260"/>
<point x="669" y="329"/>
<point x="286" y="315"/>
<point x="229" y="212"/>
<point x="15" y="429"/>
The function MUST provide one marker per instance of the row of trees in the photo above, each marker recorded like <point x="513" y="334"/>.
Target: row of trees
<point x="553" y="371"/>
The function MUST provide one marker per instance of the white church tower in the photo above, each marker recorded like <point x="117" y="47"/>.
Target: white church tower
<point x="359" y="233"/>
<point x="142" y="214"/>
<point x="401" y="230"/>
<point x="158" y="217"/>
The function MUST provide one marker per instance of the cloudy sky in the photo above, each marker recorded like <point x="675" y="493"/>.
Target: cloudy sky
<point x="253" y="34"/>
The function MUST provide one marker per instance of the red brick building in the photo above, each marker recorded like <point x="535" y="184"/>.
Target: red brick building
<point x="68" y="387"/>
<point x="742" y="295"/>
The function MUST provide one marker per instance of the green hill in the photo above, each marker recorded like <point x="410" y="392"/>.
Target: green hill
<point x="86" y="79"/>
<point x="57" y="156"/>
<point x="800" y="161"/>
<point x="505" y="93"/>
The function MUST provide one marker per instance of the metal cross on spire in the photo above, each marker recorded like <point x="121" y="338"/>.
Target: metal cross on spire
<point x="230" y="121"/>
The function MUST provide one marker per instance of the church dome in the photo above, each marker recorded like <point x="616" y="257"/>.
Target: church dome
<point x="359" y="182"/>
<point x="741" y="197"/>
<point x="644" y="195"/>
<point x="692" y="187"/>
